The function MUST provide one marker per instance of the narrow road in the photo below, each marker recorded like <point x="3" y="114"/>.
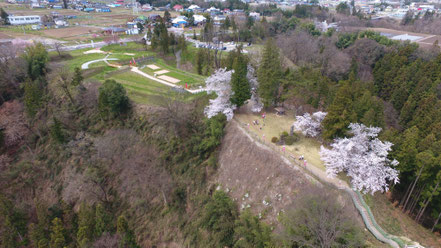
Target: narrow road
<point x="357" y="199"/>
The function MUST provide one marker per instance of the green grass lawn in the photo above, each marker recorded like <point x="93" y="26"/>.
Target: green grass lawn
<point x="145" y="91"/>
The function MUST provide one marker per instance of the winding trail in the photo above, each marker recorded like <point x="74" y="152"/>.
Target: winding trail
<point x="321" y="175"/>
<point x="86" y="65"/>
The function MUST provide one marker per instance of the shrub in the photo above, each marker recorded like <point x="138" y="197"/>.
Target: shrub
<point x="284" y="134"/>
<point x="289" y="140"/>
<point x="274" y="139"/>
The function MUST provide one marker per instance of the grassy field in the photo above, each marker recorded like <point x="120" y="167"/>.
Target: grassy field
<point x="145" y="91"/>
<point x="274" y="125"/>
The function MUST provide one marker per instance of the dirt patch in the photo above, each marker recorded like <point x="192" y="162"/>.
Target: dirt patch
<point x="69" y="32"/>
<point x="5" y="36"/>
<point x="169" y="79"/>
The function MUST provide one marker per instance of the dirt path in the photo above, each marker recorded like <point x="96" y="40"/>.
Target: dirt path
<point x="321" y="175"/>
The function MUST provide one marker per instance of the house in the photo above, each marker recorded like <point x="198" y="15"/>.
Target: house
<point x="154" y="17"/>
<point x="102" y="10"/>
<point x="178" y="8"/>
<point x="146" y="8"/>
<point x="180" y="21"/>
<point x="218" y="20"/>
<point x="61" y="23"/>
<point x="198" y="19"/>
<point x="23" y="20"/>
<point x="255" y="15"/>
<point x="193" y="7"/>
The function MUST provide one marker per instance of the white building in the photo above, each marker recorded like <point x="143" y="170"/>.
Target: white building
<point x="23" y="20"/>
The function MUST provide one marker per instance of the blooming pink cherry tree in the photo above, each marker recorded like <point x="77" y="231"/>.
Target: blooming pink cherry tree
<point x="364" y="157"/>
<point x="309" y="125"/>
<point x="219" y="83"/>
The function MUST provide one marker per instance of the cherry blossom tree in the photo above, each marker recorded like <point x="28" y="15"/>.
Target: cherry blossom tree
<point x="364" y="157"/>
<point x="219" y="83"/>
<point x="255" y="101"/>
<point x="309" y="125"/>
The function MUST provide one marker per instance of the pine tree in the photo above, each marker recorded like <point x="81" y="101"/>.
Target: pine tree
<point x="269" y="74"/>
<point x="340" y="114"/>
<point x="56" y="131"/>
<point x="167" y="16"/>
<point x="57" y="234"/>
<point x="239" y="81"/>
<point x="78" y="77"/>
<point x="86" y="225"/>
<point x="4" y="16"/>
<point x="128" y="237"/>
<point x="100" y="220"/>
<point x="33" y="97"/>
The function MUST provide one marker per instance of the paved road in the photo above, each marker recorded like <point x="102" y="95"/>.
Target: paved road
<point x="87" y="45"/>
<point x="321" y="175"/>
<point x="86" y="65"/>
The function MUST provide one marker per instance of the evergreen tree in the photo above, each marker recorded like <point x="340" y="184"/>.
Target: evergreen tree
<point x="127" y="235"/>
<point x="239" y="82"/>
<point x="57" y="234"/>
<point x="340" y="114"/>
<point x="100" y="220"/>
<point x="36" y="57"/>
<point x="33" y="97"/>
<point x="4" y="16"/>
<point x="194" y="35"/>
<point x="56" y="131"/>
<point x="77" y="77"/>
<point x="140" y="27"/>
<point x="112" y="99"/>
<point x="269" y="74"/>
<point x="86" y="225"/>
<point x="199" y="61"/>
<point x="167" y="16"/>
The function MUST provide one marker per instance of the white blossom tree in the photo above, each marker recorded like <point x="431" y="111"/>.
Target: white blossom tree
<point x="256" y="103"/>
<point x="364" y="157"/>
<point x="219" y="83"/>
<point x="309" y="125"/>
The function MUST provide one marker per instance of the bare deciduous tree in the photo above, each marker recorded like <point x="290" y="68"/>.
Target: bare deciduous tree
<point x="320" y="218"/>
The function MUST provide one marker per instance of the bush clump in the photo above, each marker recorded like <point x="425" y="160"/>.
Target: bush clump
<point x="289" y="140"/>
<point x="274" y="139"/>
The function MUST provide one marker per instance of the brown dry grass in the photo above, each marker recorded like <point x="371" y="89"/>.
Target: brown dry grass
<point x="246" y="167"/>
<point x="69" y="32"/>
